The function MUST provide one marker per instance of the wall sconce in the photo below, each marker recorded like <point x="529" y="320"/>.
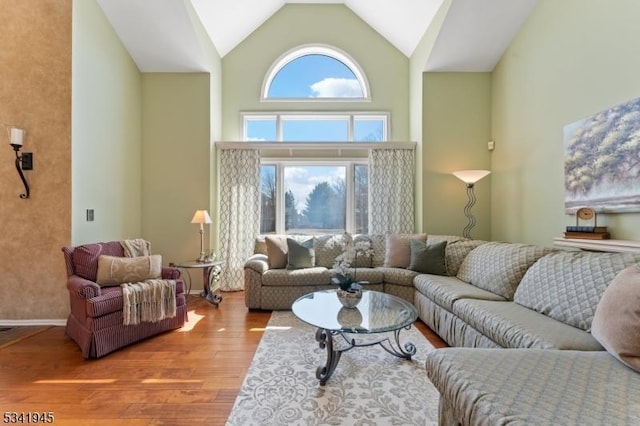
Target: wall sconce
<point x="24" y="161"/>
<point x="201" y="217"/>
<point x="470" y="177"/>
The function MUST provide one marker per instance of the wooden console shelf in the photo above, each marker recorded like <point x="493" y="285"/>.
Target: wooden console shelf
<point x="599" y="245"/>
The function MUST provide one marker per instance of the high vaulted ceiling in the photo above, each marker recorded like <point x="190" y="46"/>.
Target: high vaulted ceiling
<point x="160" y="35"/>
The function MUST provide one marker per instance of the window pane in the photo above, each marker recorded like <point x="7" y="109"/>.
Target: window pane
<point x="314" y="199"/>
<point x="368" y="130"/>
<point x="315" y="130"/>
<point x="260" y="130"/>
<point x="361" y="193"/>
<point x="315" y="76"/>
<point x="268" y="199"/>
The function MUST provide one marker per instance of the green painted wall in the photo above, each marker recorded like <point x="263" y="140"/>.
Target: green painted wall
<point x="106" y="130"/>
<point x="456" y="126"/>
<point x="417" y="63"/>
<point x="571" y="59"/>
<point x="245" y="67"/>
<point x="175" y="161"/>
<point x="142" y="143"/>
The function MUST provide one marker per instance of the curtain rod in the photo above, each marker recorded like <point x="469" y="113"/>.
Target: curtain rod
<point x="315" y="145"/>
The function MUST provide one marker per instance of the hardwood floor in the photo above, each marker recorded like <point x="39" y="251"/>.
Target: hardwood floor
<point x="185" y="377"/>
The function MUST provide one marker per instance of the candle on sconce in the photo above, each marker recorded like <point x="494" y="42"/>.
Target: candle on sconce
<point x="16" y="136"/>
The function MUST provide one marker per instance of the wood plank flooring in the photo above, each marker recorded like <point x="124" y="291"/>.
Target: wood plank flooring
<point x="185" y="377"/>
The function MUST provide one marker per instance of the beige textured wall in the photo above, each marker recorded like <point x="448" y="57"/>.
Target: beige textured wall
<point x="35" y="93"/>
<point x="571" y="59"/>
<point x="456" y="125"/>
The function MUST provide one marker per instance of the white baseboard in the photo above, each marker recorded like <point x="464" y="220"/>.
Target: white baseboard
<point x="32" y="322"/>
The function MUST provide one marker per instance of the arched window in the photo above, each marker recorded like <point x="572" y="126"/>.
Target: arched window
<point x="315" y="72"/>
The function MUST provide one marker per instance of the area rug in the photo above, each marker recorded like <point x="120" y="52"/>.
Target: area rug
<point x="368" y="387"/>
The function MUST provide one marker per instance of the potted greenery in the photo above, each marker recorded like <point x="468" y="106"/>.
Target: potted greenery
<point x="349" y="289"/>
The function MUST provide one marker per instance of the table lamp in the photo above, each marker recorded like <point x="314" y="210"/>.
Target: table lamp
<point x="201" y="217"/>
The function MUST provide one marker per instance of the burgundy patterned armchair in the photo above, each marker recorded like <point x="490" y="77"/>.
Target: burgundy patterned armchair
<point x="95" y="322"/>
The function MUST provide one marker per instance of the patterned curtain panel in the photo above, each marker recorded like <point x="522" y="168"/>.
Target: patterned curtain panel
<point x="239" y="212"/>
<point x="391" y="188"/>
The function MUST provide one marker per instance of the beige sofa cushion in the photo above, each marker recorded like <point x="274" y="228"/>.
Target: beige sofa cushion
<point x="499" y="267"/>
<point x="444" y="291"/>
<point x="327" y="248"/>
<point x="616" y="323"/>
<point x="378" y="244"/>
<point x="567" y="285"/>
<point x="296" y="277"/>
<point x="514" y="326"/>
<point x="276" y="251"/>
<point x="398" y="276"/>
<point x="534" y="387"/>
<point x="398" y="249"/>
<point x="457" y="249"/>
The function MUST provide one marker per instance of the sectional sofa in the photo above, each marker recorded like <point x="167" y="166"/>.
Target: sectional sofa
<point x="270" y="285"/>
<point x="556" y="370"/>
<point x="535" y="301"/>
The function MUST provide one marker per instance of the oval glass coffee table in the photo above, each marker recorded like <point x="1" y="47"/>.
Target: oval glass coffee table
<point x="377" y="320"/>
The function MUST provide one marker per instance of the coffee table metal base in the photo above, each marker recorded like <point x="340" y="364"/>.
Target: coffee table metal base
<point x="325" y="339"/>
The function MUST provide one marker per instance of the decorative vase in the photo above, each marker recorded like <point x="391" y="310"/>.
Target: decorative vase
<point x="349" y="298"/>
<point x="350" y="318"/>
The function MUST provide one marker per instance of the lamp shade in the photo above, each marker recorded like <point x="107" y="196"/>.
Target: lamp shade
<point x="16" y="136"/>
<point x="471" y="176"/>
<point x="201" y="216"/>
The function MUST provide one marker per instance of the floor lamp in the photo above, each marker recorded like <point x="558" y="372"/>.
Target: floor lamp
<point x="470" y="177"/>
<point x="201" y="217"/>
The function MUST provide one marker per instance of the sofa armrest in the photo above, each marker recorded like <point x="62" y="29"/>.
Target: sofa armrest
<point x="82" y="288"/>
<point x="258" y="263"/>
<point x="171" y="273"/>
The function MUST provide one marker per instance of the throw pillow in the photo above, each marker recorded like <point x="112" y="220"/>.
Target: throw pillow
<point x="498" y="267"/>
<point x="327" y="247"/>
<point x="301" y="254"/>
<point x="398" y="249"/>
<point x="276" y="251"/>
<point x="457" y="249"/>
<point x="616" y="323"/>
<point x="114" y="270"/>
<point x="428" y="258"/>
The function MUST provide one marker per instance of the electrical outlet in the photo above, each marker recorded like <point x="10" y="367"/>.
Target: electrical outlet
<point x="89" y="215"/>
<point x="491" y="145"/>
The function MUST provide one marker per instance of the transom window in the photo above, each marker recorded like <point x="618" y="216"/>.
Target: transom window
<point x="315" y="73"/>
<point x="315" y="127"/>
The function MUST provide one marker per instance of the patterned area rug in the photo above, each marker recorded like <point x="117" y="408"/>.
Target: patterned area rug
<point x="368" y="387"/>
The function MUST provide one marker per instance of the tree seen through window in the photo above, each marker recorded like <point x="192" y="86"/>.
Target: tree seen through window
<point x="315" y="199"/>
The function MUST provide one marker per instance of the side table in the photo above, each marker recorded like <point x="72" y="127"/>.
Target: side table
<point x="210" y="276"/>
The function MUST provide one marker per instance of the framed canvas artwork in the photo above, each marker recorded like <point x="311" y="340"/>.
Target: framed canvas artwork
<point x="602" y="161"/>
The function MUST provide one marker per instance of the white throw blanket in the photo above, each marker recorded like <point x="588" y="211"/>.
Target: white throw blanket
<point x="148" y="301"/>
<point x="137" y="247"/>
